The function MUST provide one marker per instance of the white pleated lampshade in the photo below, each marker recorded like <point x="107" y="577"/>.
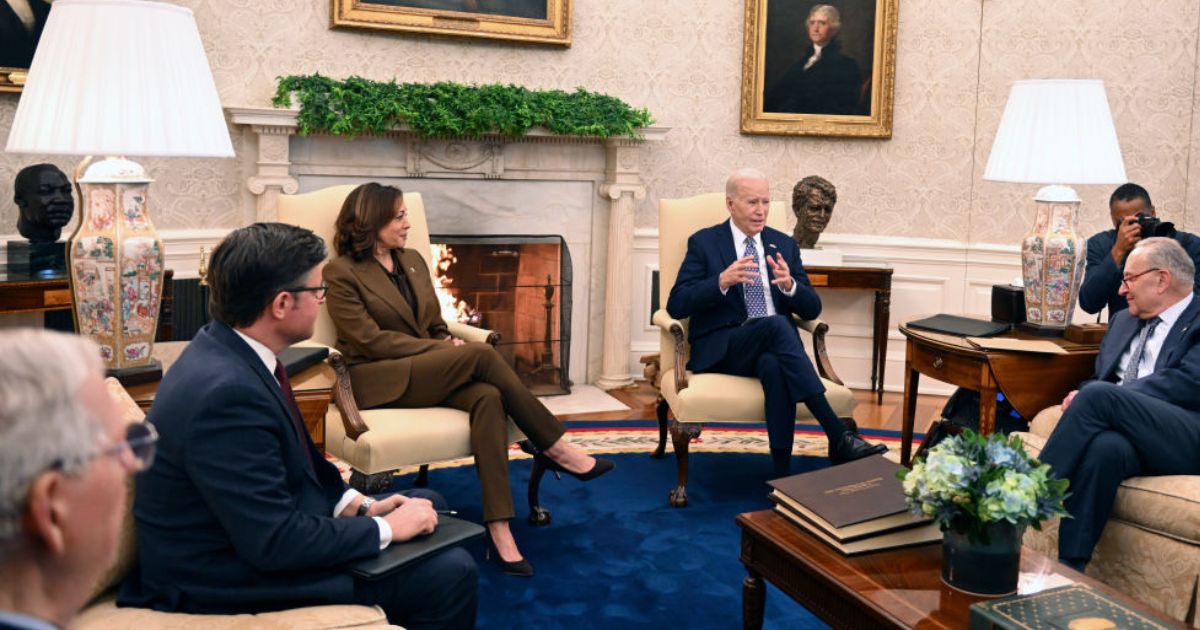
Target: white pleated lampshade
<point x="1056" y="132"/>
<point x="120" y="77"/>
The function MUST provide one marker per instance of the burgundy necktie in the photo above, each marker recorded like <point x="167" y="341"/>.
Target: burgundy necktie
<point x="297" y="421"/>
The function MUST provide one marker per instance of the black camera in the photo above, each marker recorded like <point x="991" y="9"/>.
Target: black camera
<point x="1152" y="226"/>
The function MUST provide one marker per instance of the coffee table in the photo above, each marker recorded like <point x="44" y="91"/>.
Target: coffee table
<point x="897" y="588"/>
<point x="313" y="387"/>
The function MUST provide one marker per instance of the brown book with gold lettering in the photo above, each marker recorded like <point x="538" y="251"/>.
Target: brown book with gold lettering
<point x="861" y="490"/>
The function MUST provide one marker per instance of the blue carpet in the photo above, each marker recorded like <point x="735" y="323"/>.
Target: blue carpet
<point x="617" y="555"/>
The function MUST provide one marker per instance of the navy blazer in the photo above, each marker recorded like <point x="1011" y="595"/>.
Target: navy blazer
<point x="1103" y="277"/>
<point x="232" y="517"/>
<point x="697" y="291"/>
<point x="1177" y="368"/>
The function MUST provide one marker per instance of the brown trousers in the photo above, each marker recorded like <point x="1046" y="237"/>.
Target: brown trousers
<point x="476" y="379"/>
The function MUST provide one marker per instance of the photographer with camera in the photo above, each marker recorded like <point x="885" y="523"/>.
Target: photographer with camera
<point x="1133" y="220"/>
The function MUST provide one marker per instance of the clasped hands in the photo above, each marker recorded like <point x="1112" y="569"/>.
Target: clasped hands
<point x="745" y="269"/>
<point x="408" y="517"/>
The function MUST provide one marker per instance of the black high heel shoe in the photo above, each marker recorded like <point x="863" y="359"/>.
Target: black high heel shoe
<point x="543" y="461"/>
<point x="601" y="466"/>
<point x="519" y="568"/>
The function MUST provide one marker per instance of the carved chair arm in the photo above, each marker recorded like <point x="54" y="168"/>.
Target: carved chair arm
<point x="818" y="329"/>
<point x="467" y="332"/>
<point x="674" y="327"/>
<point x="343" y="397"/>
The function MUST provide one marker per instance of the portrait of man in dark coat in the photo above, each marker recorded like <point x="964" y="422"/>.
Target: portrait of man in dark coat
<point x="823" y="79"/>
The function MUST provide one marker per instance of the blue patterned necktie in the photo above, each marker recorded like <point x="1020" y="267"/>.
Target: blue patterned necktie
<point x="756" y="302"/>
<point x="1139" y="349"/>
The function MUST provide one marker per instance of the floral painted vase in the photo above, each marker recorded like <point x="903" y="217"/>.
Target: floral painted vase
<point x="1053" y="257"/>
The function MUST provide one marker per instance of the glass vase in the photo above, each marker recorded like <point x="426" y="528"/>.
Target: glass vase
<point x="977" y="568"/>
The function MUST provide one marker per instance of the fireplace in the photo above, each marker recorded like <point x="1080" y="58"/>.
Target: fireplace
<point x="519" y="287"/>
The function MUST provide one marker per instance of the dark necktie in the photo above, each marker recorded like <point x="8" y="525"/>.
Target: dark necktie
<point x="756" y="303"/>
<point x="1139" y="349"/>
<point x="285" y="384"/>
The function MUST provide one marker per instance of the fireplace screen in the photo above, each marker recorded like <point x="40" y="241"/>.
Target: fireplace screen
<point x="519" y="287"/>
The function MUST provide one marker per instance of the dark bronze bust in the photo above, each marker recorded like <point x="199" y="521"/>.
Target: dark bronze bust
<point x="43" y="196"/>
<point x="813" y="199"/>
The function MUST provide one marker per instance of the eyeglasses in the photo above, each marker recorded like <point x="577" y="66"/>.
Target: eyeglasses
<point x="319" y="292"/>
<point x="1128" y="279"/>
<point x="135" y="452"/>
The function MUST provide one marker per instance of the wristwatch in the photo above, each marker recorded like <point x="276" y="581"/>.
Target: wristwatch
<point x="365" y="506"/>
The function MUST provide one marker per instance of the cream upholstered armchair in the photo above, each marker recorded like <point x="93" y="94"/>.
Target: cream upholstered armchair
<point x="694" y="399"/>
<point x="1150" y="548"/>
<point x="377" y="442"/>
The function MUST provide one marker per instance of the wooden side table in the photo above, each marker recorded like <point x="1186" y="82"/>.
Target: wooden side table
<point x="23" y="293"/>
<point x="878" y="280"/>
<point x="896" y="588"/>
<point x="1031" y="382"/>
<point x="313" y="387"/>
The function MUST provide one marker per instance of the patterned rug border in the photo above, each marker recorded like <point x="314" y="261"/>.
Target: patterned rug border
<point x="641" y="436"/>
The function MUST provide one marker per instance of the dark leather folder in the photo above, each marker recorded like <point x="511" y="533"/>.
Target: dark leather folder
<point x="297" y="358"/>
<point x="450" y="532"/>
<point x="959" y="325"/>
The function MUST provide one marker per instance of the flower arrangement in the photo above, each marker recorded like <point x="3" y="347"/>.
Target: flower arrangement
<point x="969" y="482"/>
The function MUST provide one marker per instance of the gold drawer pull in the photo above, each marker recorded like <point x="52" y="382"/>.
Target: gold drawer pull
<point x="938" y="362"/>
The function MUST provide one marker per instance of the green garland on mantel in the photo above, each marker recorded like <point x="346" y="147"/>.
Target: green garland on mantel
<point x="358" y="106"/>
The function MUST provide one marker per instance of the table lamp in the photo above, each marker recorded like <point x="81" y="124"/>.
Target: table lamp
<point x="117" y="78"/>
<point x="1055" y="132"/>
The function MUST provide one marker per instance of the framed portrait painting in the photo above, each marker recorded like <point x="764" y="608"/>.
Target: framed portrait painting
<point x="21" y="23"/>
<point x="819" y="67"/>
<point x="538" y="21"/>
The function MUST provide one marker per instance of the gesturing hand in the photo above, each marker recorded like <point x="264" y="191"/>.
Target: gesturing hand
<point x="783" y="275"/>
<point x="412" y="518"/>
<point x="742" y="271"/>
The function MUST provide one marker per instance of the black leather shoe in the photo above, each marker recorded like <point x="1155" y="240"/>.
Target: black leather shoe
<point x="599" y="468"/>
<point x="852" y="447"/>
<point x="519" y="568"/>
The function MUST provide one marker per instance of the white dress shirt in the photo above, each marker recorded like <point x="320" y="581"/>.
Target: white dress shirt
<point x="739" y="248"/>
<point x="269" y="359"/>
<point x="1154" y="342"/>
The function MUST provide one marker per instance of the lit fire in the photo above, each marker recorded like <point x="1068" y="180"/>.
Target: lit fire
<point x="452" y="307"/>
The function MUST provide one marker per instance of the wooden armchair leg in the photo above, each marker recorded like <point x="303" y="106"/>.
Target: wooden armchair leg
<point x="662" y="410"/>
<point x="422" y="479"/>
<point x="681" y="438"/>
<point x="377" y="483"/>
<point x="538" y="515"/>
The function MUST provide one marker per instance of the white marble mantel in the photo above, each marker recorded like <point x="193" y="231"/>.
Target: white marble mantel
<point x="287" y="163"/>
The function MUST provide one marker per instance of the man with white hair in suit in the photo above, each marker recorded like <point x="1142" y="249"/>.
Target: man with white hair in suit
<point x="65" y="455"/>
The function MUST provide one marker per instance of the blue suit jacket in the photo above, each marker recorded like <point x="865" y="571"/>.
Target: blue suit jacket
<point x="231" y="517"/>
<point x="697" y="291"/>
<point x="1177" y="368"/>
<point x="1103" y="277"/>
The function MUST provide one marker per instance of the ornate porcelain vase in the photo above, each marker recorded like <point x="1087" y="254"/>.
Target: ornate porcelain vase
<point x="116" y="264"/>
<point x="983" y="568"/>
<point x="1053" y="256"/>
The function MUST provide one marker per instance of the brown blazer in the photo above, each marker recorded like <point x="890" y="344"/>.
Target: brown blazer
<point x="377" y="332"/>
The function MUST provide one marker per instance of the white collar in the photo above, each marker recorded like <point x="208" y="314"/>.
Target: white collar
<point x="263" y="352"/>
<point x="740" y="237"/>
<point x="1171" y="315"/>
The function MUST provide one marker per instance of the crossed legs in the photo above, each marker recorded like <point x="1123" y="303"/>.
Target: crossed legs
<point x="1108" y="434"/>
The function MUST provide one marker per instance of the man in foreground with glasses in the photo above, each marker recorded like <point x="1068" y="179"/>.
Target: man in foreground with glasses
<point x="1139" y="415"/>
<point x="242" y="513"/>
<point x="65" y="453"/>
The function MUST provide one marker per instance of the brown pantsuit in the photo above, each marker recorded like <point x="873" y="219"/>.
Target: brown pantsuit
<point x="399" y="358"/>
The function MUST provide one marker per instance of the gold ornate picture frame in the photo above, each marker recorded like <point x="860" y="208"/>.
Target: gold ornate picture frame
<point x="845" y="90"/>
<point x="537" y="21"/>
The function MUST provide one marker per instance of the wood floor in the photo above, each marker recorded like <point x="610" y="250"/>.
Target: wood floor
<point x="641" y="396"/>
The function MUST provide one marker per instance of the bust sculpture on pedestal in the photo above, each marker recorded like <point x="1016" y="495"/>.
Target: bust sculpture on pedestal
<point x="44" y="200"/>
<point x="813" y="199"/>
